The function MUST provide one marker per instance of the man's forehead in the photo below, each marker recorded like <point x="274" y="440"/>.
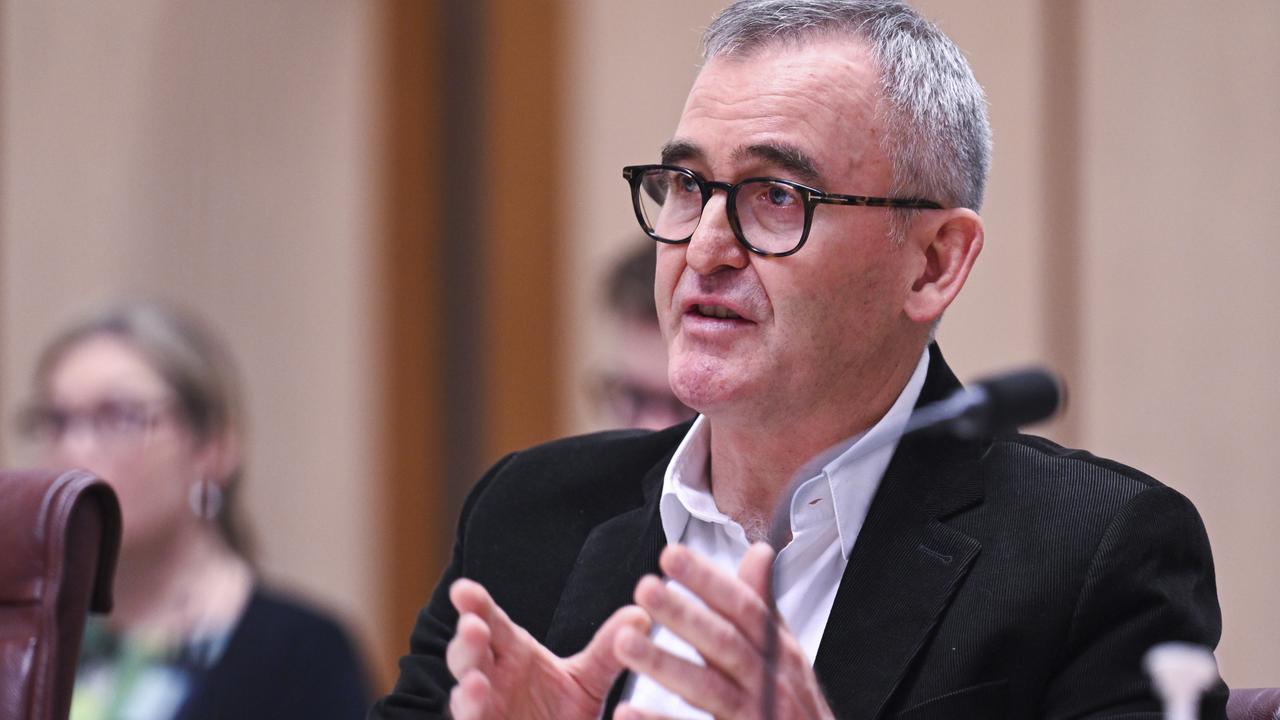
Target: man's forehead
<point x="783" y="106"/>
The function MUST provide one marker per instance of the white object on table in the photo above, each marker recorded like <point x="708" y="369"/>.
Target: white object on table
<point x="1181" y="673"/>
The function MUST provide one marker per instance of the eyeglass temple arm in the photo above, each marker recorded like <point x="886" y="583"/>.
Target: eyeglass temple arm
<point x="869" y="201"/>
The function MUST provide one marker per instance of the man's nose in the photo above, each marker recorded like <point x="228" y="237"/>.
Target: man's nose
<point x="713" y="245"/>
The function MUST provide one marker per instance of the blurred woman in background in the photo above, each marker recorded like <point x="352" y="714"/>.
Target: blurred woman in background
<point x="145" y="398"/>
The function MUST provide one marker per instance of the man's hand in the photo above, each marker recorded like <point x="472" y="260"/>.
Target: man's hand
<point x="729" y="633"/>
<point x="503" y="672"/>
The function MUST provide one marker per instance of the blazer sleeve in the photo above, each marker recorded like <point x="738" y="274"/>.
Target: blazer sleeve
<point x="1151" y="580"/>
<point x="422" y="690"/>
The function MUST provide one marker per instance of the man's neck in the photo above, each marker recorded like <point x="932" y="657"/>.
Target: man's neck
<point x="753" y="460"/>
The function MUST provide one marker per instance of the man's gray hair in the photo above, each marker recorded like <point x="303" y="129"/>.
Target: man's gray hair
<point x="940" y="139"/>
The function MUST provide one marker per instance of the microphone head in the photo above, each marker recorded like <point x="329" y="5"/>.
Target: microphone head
<point x="1020" y="397"/>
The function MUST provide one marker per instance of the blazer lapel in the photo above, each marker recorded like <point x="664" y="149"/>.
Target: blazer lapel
<point x="615" y="555"/>
<point x="905" y="567"/>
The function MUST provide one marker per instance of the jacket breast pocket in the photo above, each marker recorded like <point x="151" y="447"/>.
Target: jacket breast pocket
<point x="987" y="701"/>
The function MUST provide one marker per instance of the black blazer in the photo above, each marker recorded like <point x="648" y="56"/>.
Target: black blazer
<point x="1007" y="577"/>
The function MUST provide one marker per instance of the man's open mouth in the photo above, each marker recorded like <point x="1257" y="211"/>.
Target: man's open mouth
<point x="716" y="311"/>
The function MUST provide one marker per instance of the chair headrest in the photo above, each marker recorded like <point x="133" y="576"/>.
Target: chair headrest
<point x="35" y="523"/>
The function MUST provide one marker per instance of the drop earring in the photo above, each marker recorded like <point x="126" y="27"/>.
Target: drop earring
<point x="205" y="499"/>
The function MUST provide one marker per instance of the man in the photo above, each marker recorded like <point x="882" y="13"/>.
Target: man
<point x="938" y="578"/>
<point x="634" y="391"/>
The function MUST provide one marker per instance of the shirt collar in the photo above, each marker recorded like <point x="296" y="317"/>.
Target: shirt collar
<point x="854" y="473"/>
<point x="684" y="486"/>
<point x="851" y="474"/>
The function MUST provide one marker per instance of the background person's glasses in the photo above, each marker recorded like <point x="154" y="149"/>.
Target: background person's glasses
<point x="769" y="216"/>
<point x="633" y="404"/>
<point x="110" y="422"/>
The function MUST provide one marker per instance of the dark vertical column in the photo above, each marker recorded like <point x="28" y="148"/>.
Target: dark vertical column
<point x="465" y="203"/>
<point x="1061" y="32"/>
<point x="470" y="264"/>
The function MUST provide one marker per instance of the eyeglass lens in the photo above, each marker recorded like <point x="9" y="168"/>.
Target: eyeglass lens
<point x="771" y="215"/>
<point x="110" y="421"/>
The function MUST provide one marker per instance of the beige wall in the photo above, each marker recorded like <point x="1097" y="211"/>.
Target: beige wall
<point x="217" y="154"/>
<point x="1181" y="240"/>
<point x="1167" y="324"/>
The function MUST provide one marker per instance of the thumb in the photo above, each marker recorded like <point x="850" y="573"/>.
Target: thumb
<point x="596" y="667"/>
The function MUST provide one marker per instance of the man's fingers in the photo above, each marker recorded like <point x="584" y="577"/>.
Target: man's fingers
<point x="469" y="596"/>
<point x="716" y="639"/>
<point x="699" y="686"/>
<point x="471" y="697"/>
<point x="742" y="605"/>
<point x="597" y="665"/>
<point x="469" y="649"/>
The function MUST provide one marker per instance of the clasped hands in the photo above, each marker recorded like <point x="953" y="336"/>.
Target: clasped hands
<point x="503" y="672"/>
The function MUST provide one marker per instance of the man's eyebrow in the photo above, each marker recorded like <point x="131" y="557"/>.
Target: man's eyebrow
<point x="787" y="158"/>
<point x="784" y="157"/>
<point x="678" y="151"/>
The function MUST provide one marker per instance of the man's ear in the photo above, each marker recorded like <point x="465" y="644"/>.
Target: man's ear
<point x="948" y="242"/>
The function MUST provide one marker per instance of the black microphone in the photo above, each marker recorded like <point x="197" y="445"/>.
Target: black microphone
<point x="996" y="404"/>
<point x="999" y="403"/>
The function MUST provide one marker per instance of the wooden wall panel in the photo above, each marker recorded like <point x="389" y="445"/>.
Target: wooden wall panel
<point x="468" y="266"/>
<point x="412" y="422"/>
<point x="523" y="227"/>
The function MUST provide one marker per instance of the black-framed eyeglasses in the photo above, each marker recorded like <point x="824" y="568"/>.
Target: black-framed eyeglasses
<point x="769" y="216"/>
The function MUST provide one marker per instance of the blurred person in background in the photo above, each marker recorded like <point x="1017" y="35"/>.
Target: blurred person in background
<point x="634" y="392"/>
<point x="144" y="397"/>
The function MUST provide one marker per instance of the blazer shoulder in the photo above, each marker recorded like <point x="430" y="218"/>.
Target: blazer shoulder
<point x="554" y="494"/>
<point x="527" y="521"/>
<point x="1070" y="492"/>
<point x="605" y="462"/>
<point x="1080" y="459"/>
<point x="1029" y="458"/>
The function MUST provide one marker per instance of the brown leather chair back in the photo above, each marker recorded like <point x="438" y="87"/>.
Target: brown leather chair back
<point x="1254" y="704"/>
<point x="59" y="538"/>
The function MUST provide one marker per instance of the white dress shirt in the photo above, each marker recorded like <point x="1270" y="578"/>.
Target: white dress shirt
<point x="827" y="512"/>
